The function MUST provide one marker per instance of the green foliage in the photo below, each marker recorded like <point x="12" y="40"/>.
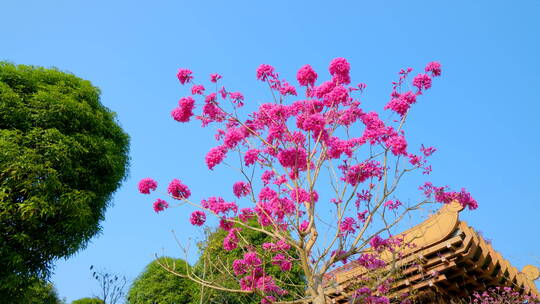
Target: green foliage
<point x="156" y="285"/>
<point x="214" y="265"/>
<point x="36" y="291"/>
<point x="62" y="155"/>
<point x="88" y="301"/>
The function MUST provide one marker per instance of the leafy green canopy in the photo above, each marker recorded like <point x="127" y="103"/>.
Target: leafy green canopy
<point x="88" y="301"/>
<point x="158" y="286"/>
<point x="37" y="291"/>
<point x="62" y="155"/>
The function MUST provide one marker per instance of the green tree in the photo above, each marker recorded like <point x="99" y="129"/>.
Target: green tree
<point x="156" y="285"/>
<point x="214" y="266"/>
<point x="36" y="291"/>
<point x="62" y="155"/>
<point x="88" y="301"/>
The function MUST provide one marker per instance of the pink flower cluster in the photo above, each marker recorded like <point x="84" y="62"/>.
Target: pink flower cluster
<point x="348" y="225"/>
<point x="146" y="185"/>
<point x="219" y="206"/>
<point x="306" y="76"/>
<point x="160" y="205"/>
<point x="441" y="195"/>
<point x="339" y="69"/>
<point x="299" y="195"/>
<point x="400" y="103"/>
<point x="184" y="111"/>
<point x="241" y="189"/>
<point x="370" y="261"/>
<point x="215" y="156"/>
<point x="280" y="245"/>
<point x="184" y="75"/>
<point x="359" y="173"/>
<point x="391" y="205"/>
<point x="230" y="242"/>
<point x="256" y="278"/>
<point x="283" y="262"/>
<point x="178" y="190"/>
<point x="197" y="218"/>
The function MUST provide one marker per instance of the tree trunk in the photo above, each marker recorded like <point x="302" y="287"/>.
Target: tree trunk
<point x="318" y="292"/>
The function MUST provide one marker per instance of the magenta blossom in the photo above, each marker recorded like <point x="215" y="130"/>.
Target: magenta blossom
<point x="146" y="185"/>
<point x="434" y="67"/>
<point x="197" y="89"/>
<point x="264" y="71"/>
<point x="306" y="76"/>
<point x="215" y="77"/>
<point x="160" y="205"/>
<point x="184" y="75"/>
<point x="178" y="190"/>
<point x="241" y="189"/>
<point x="197" y="218"/>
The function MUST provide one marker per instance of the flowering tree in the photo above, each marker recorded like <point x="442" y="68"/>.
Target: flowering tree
<point x="294" y="151"/>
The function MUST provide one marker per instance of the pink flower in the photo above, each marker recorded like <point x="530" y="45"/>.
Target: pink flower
<point x="293" y="158"/>
<point x="146" y="185"/>
<point x="283" y="263"/>
<point x="219" y="206"/>
<point x="223" y="92"/>
<point x="185" y="109"/>
<point x="241" y="189"/>
<point x="339" y="68"/>
<point x="422" y="82"/>
<point x="178" y="190"/>
<point x="239" y="267"/>
<point x="362" y="216"/>
<point x="303" y="226"/>
<point x="237" y="98"/>
<point x="160" y="205"/>
<point x="215" y="77"/>
<point x="361" y="172"/>
<point x="251" y="156"/>
<point x="400" y="103"/>
<point x="197" y="89"/>
<point x="245" y="214"/>
<point x="230" y="242"/>
<point x="184" y="75"/>
<point x="287" y="89"/>
<point x="434" y="67"/>
<point x="306" y="76"/>
<point x="267" y="176"/>
<point x="392" y="205"/>
<point x="397" y="144"/>
<point x="348" y="225"/>
<point x="250" y="258"/>
<point x="215" y="156"/>
<point x="264" y="71"/>
<point x="427" y="150"/>
<point x="379" y="243"/>
<point x="370" y="261"/>
<point x="233" y="136"/>
<point x="197" y="218"/>
<point x="314" y="123"/>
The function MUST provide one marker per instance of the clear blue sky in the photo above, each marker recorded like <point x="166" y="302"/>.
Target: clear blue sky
<point x="482" y="115"/>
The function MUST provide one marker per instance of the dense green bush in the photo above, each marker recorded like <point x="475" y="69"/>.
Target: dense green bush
<point x="156" y="285"/>
<point x="88" y="301"/>
<point x="62" y="155"/>
<point x="36" y="291"/>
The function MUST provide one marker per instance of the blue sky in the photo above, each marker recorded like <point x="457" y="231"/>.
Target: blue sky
<point x="481" y="115"/>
